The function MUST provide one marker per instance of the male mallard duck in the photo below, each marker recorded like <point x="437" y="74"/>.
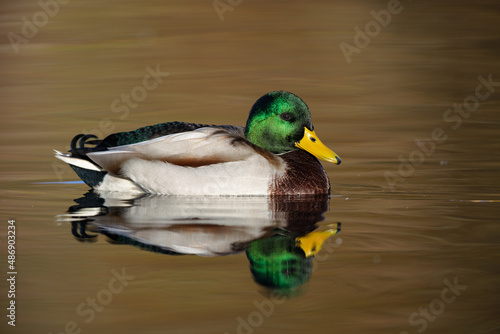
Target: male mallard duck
<point x="273" y="155"/>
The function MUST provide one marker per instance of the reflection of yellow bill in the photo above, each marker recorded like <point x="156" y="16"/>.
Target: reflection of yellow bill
<point x="311" y="243"/>
<point x="311" y="143"/>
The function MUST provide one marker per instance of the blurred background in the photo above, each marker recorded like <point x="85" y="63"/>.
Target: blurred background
<point x="79" y="67"/>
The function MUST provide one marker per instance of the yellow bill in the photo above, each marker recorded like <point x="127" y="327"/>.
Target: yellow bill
<point x="311" y="243"/>
<point x="311" y="143"/>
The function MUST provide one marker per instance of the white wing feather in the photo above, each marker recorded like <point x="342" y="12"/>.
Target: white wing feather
<point x="205" y="161"/>
<point x="204" y="144"/>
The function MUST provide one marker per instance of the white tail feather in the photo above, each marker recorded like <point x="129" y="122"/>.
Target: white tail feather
<point x="76" y="161"/>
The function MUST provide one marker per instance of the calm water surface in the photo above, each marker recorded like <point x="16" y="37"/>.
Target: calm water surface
<point x="416" y="198"/>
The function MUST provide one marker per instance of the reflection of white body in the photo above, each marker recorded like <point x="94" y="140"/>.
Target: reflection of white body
<point x="205" y="226"/>
<point x="196" y="225"/>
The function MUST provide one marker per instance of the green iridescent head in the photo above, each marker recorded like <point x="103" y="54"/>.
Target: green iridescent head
<point x="280" y="122"/>
<point x="277" y="120"/>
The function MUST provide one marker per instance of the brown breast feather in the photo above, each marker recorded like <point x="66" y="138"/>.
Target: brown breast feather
<point x="304" y="175"/>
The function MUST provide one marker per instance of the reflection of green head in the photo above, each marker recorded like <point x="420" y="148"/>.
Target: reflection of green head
<point x="277" y="262"/>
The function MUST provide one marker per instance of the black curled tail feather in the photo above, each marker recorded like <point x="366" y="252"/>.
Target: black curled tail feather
<point x="79" y="145"/>
<point x="79" y="149"/>
<point x="80" y="140"/>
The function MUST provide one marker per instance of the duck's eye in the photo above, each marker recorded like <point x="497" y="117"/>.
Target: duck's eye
<point x="287" y="117"/>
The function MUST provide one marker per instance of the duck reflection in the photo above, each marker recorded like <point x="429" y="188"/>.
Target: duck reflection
<point x="277" y="233"/>
<point x="284" y="261"/>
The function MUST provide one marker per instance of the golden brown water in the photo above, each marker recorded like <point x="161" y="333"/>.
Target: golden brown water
<point x="416" y="193"/>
